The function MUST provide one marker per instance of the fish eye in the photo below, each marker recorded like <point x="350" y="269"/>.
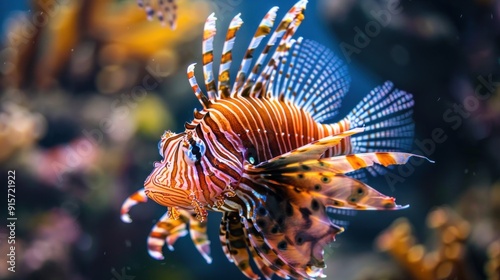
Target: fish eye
<point x="160" y="148"/>
<point x="251" y="156"/>
<point x="196" y="150"/>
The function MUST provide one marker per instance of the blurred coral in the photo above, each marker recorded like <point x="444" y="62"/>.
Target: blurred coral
<point x="446" y="261"/>
<point x="110" y="36"/>
<point x="19" y="129"/>
<point x="492" y="268"/>
<point x="52" y="236"/>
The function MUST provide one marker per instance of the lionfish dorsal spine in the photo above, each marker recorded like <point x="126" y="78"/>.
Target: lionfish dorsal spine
<point x="208" y="55"/>
<point x="285" y="29"/>
<point x="262" y="31"/>
<point x="273" y="75"/>
<point x="205" y="102"/>
<point x="281" y="52"/>
<point x="226" y="58"/>
<point x="278" y="88"/>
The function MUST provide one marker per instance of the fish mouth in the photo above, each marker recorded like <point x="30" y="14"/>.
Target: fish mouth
<point x="167" y="196"/>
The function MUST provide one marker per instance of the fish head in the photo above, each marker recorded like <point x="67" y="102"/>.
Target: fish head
<point x="186" y="177"/>
<point x="168" y="183"/>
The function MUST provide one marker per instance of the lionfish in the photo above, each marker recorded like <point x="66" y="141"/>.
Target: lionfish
<point x="262" y="152"/>
<point x="166" y="11"/>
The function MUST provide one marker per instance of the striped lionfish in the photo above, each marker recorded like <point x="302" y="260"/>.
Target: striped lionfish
<point x="262" y="152"/>
<point x="166" y="11"/>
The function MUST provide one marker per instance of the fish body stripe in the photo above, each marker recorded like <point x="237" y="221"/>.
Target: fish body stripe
<point x="271" y="126"/>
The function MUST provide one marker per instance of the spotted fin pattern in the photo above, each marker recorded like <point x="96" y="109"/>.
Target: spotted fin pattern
<point x="289" y="225"/>
<point x="304" y="167"/>
<point x="166" y="11"/>
<point x="234" y="241"/>
<point x="293" y="229"/>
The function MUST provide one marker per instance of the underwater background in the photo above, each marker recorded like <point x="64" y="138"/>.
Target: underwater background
<point x="81" y="133"/>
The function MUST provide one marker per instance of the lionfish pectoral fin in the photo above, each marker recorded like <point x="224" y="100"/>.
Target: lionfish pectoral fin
<point x="313" y="150"/>
<point x="350" y="163"/>
<point x="324" y="180"/>
<point x="267" y="257"/>
<point x="198" y="232"/>
<point x="266" y="271"/>
<point x="136" y="198"/>
<point x="234" y="241"/>
<point x="291" y="227"/>
<point x="167" y="230"/>
<point x="289" y="232"/>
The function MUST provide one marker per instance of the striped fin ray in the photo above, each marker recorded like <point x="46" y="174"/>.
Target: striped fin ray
<point x="262" y="266"/>
<point x="276" y="86"/>
<point x="313" y="150"/>
<point x="336" y="190"/>
<point x="324" y="179"/>
<point x="198" y="233"/>
<point x="277" y="58"/>
<point x="315" y="80"/>
<point x="198" y="117"/>
<point x="285" y="30"/>
<point x="269" y="256"/>
<point x="205" y="102"/>
<point x="289" y="77"/>
<point x="234" y="241"/>
<point x="226" y="59"/>
<point x="266" y="258"/>
<point x="168" y="230"/>
<point x="263" y="82"/>
<point x="208" y="55"/>
<point x="296" y="229"/>
<point x="281" y="51"/>
<point x="134" y="199"/>
<point x="348" y="163"/>
<point x="386" y="114"/>
<point x="262" y="31"/>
